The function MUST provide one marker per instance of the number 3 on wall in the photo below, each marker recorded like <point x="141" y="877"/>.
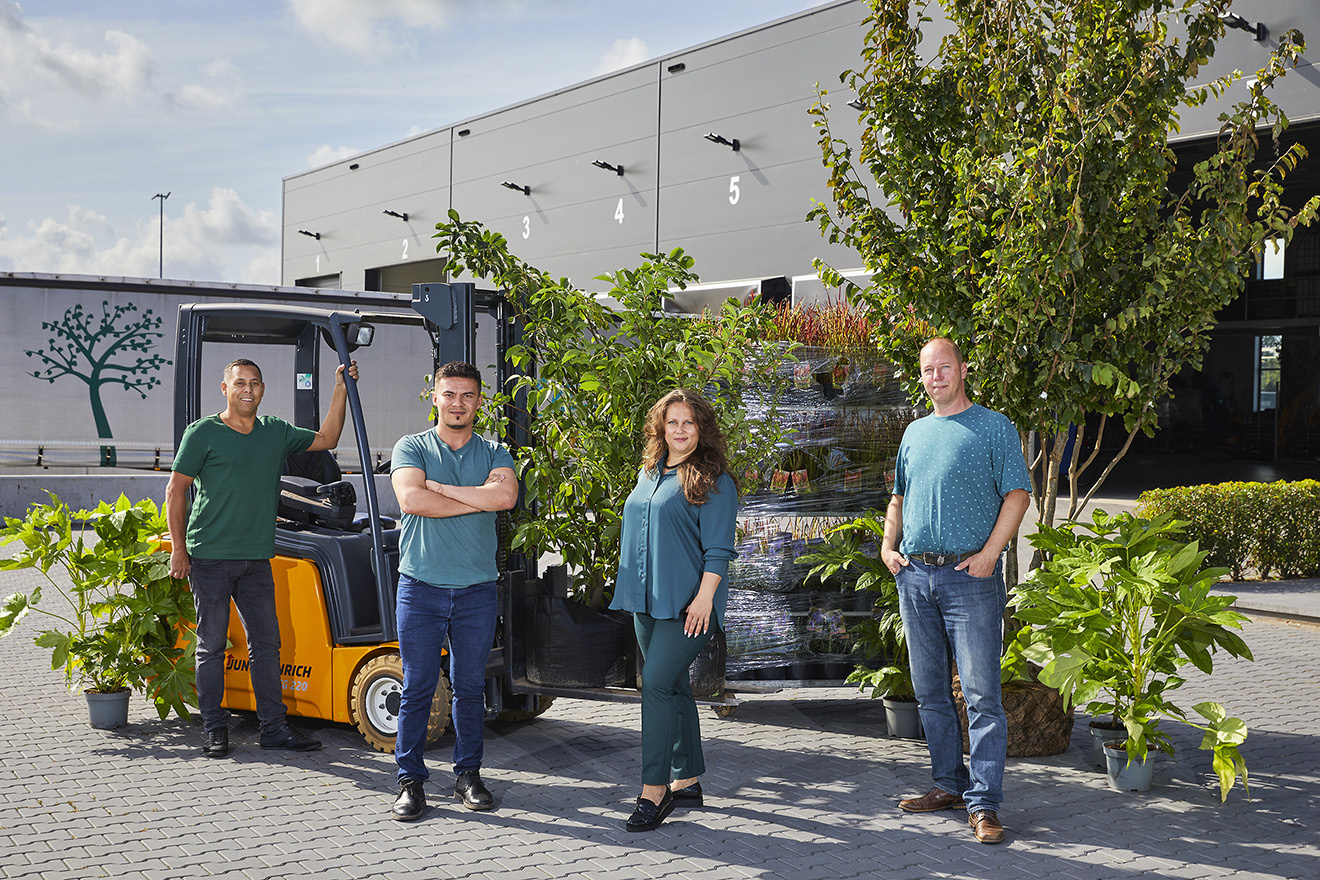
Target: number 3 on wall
<point x="734" y="192"/>
<point x="527" y="227"/>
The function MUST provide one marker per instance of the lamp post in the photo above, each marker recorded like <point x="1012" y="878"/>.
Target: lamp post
<point x="162" y="197"/>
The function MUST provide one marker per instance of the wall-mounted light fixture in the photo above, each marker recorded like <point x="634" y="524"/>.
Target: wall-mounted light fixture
<point x="721" y="139"/>
<point x="857" y="104"/>
<point x="617" y="169"/>
<point x="354" y="167"/>
<point x="677" y="68"/>
<point x="1233" y="20"/>
<point x="525" y="190"/>
<point x="315" y="235"/>
<point x="403" y="216"/>
<point x="464" y="132"/>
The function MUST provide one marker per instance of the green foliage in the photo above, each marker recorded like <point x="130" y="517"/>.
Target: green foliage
<point x="1011" y="189"/>
<point x="1113" y="615"/>
<point x="130" y="623"/>
<point x="593" y="373"/>
<point x="1265" y="527"/>
<point x="852" y="550"/>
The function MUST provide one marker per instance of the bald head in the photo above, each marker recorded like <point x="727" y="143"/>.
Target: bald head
<point x="943" y="372"/>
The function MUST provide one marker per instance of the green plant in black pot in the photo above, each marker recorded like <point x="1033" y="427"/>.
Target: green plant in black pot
<point x="1116" y="610"/>
<point x="852" y="551"/>
<point x="592" y="370"/>
<point x="124" y="623"/>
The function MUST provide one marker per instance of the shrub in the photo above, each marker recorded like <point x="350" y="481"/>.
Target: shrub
<point x="1266" y="527"/>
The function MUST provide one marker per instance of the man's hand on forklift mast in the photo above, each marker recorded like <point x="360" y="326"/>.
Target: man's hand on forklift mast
<point x="333" y="426"/>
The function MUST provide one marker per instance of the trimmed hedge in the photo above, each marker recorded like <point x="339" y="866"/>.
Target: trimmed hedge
<point x="1265" y="527"/>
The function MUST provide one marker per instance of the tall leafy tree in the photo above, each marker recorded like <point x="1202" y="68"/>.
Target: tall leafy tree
<point x="593" y="367"/>
<point x="1011" y="189"/>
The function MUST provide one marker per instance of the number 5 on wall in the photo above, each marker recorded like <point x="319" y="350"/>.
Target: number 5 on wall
<point x="734" y="192"/>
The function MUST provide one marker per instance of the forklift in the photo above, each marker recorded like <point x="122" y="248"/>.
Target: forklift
<point x="337" y="555"/>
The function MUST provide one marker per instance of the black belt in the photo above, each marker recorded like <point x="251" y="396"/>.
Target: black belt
<point x="944" y="558"/>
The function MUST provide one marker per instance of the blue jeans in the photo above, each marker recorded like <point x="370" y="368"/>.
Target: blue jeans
<point x="252" y="587"/>
<point x="671" y="732"/>
<point x="426" y="616"/>
<point x="950" y="616"/>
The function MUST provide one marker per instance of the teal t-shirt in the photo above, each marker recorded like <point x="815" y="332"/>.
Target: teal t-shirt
<point x="238" y="484"/>
<point x="953" y="473"/>
<point x="668" y="543"/>
<point x="449" y="551"/>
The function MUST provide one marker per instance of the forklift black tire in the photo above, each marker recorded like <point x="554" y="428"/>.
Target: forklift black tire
<point x="374" y="703"/>
<point x="543" y="702"/>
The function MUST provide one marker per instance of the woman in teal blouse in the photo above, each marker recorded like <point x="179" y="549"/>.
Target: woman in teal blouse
<point x="677" y="542"/>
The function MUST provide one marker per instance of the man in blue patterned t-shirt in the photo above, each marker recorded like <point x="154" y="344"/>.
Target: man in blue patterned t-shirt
<point x="961" y="488"/>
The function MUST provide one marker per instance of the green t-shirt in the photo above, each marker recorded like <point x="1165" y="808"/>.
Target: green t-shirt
<point x="238" y="484"/>
<point x="449" y="551"/>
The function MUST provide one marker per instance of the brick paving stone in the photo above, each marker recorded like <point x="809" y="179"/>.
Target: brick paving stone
<point x="801" y="784"/>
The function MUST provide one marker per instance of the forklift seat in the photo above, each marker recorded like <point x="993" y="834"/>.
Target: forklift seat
<point x="313" y="491"/>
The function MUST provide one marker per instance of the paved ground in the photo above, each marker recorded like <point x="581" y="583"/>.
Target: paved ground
<point x="802" y="785"/>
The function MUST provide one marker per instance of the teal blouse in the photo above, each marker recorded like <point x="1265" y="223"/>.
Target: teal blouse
<point x="667" y="545"/>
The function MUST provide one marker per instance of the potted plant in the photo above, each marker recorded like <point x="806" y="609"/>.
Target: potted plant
<point x="592" y="371"/>
<point x="1118" y="607"/>
<point x="853" y="549"/>
<point x="124" y="623"/>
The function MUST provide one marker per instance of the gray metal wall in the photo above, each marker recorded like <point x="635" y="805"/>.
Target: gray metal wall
<point x="741" y="214"/>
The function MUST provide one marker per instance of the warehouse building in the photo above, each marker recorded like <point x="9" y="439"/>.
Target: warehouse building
<point x="711" y="149"/>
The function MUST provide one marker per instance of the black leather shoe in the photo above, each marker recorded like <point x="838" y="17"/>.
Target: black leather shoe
<point x="410" y="802"/>
<point x="649" y="814"/>
<point x="689" y="796"/>
<point x="290" y="740"/>
<point x="469" y="789"/>
<point x="217" y="743"/>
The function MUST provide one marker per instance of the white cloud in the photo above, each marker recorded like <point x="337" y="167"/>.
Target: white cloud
<point x="36" y="72"/>
<point x="199" y="243"/>
<point x="381" y="25"/>
<point x="222" y="92"/>
<point x="326" y="154"/>
<point x="625" y="53"/>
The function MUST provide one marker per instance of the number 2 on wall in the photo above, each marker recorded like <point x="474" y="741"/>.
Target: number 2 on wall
<point x="405" y="249"/>
<point x="734" y="192"/>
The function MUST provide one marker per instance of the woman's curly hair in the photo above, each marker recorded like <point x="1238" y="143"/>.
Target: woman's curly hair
<point x="698" y="472"/>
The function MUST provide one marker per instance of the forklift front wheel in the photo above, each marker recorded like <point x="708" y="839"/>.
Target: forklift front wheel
<point x="375" y="697"/>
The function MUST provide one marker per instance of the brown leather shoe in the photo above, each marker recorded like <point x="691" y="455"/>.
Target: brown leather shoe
<point x="935" y="799"/>
<point x="986" y="827"/>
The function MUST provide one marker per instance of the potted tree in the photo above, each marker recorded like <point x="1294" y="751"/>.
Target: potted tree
<point x="124" y="624"/>
<point x="852" y="549"/>
<point x="593" y="366"/>
<point x="1118" y="607"/>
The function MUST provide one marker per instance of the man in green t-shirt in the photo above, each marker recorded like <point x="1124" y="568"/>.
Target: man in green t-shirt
<point x="225" y="545"/>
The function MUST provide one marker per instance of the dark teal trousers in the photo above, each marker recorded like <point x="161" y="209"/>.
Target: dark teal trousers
<point x="671" y="733"/>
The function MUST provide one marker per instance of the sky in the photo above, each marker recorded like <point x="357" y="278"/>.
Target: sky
<point x="104" y="105"/>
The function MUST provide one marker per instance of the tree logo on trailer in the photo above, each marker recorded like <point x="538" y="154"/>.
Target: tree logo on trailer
<point x="113" y="348"/>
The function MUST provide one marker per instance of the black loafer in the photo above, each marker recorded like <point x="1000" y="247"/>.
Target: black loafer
<point x="689" y="796"/>
<point x="649" y="814"/>
<point x="469" y="789"/>
<point x="289" y="740"/>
